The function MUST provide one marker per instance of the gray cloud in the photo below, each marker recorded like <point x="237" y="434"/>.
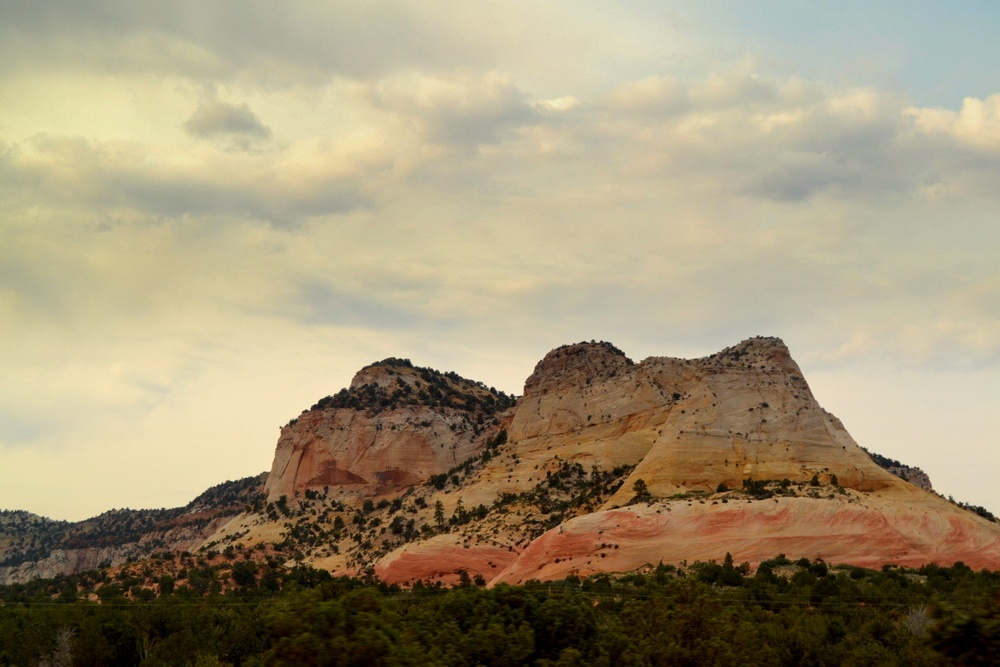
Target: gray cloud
<point x="222" y="118"/>
<point x="221" y="40"/>
<point x="324" y="304"/>
<point x="458" y="108"/>
<point x="74" y="172"/>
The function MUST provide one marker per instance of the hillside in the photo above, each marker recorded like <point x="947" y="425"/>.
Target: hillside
<point x="33" y="546"/>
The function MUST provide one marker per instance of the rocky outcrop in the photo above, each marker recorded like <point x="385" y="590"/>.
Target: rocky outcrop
<point x="742" y="415"/>
<point x="911" y="474"/>
<point x="182" y="536"/>
<point x="394" y="427"/>
<point x="732" y="453"/>
<point x="863" y="532"/>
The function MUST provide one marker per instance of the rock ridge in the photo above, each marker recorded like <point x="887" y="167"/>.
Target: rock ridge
<point x="601" y="445"/>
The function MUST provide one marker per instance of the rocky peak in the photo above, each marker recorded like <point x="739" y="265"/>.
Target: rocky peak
<point x="574" y="365"/>
<point x="395" y="425"/>
<point x="386" y="373"/>
<point x="394" y="383"/>
<point x="911" y="474"/>
<point x="754" y="352"/>
<point x="759" y="357"/>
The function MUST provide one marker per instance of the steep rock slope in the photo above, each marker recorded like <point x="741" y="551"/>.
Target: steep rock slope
<point x="745" y="413"/>
<point x="394" y="427"/>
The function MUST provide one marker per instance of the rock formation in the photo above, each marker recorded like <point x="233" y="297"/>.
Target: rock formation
<point x="394" y="427"/>
<point x="33" y="547"/>
<point x="732" y="452"/>
<point x="602" y="465"/>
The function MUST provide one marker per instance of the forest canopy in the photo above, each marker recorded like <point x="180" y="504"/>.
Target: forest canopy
<point x="784" y="613"/>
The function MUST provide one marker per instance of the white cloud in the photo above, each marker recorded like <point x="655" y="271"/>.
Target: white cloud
<point x="460" y="108"/>
<point x="976" y="124"/>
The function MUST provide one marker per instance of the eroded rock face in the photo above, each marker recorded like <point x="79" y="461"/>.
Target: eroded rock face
<point x="370" y="452"/>
<point x="865" y="533"/>
<point x="394" y="427"/>
<point x="694" y="429"/>
<point x="743" y="414"/>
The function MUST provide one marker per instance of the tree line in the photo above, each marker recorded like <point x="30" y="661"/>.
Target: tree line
<point x="783" y="613"/>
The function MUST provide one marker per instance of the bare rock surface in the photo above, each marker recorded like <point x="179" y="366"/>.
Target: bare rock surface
<point x="394" y="427"/>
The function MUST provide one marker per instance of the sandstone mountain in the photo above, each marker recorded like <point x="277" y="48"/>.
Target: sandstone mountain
<point x="395" y="426"/>
<point x="606" y="465"/>
<point x="602" y="465"/>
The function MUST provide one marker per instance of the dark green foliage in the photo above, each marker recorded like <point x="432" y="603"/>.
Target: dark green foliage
<point x="642" y="494"/>
<point x="883" y="461"/>
<point x="717" y="615"/>
<point x="497" y="440"/>
<point x="969" y="637"/>
<point x="757" y="488"/>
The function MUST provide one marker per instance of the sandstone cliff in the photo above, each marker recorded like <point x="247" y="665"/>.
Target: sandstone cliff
<point x="394" y="427"/>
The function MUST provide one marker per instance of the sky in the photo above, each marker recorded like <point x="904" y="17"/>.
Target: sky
<point x="212" y="214"/>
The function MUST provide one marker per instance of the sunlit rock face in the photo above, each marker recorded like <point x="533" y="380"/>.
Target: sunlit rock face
<point x="866" y="532"/>
<point x="395" y="426"/>
<point x="743" y="414"/>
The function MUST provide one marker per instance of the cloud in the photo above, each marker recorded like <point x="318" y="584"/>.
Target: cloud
<point x="417" y="187"/>
<point x="221" y="118"/>
<point x="460" y="108"/>
<point x="324" y="304"/>
<point x="282" y="186"/>
<point x="976" y="124"/>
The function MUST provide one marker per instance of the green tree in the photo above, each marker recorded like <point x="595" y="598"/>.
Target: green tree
<point x="642" y="494"/>
<point x="439" y="514"/>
